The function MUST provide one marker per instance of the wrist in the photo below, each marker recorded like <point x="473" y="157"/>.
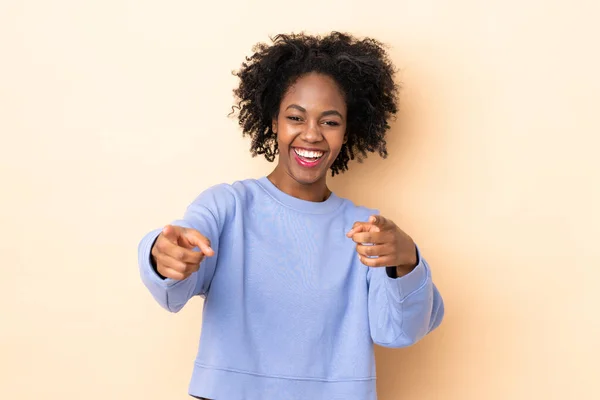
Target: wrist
<point x="404" y="270"/>
<point x="407" y="268"/>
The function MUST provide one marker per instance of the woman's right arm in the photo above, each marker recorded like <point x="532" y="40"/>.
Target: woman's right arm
<point x="179" y="261"/>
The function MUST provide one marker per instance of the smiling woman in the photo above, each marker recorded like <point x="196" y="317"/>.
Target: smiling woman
<point x="299" y="283"/>
<point x="360" y="71"/>
<point x="311" y="130"/>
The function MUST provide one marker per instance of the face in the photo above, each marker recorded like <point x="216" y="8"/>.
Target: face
<point x="310" y="128"/>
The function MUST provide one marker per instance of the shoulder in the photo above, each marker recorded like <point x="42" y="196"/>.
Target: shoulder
<point x="357" y="212"/>
<point x="226" y="194"/>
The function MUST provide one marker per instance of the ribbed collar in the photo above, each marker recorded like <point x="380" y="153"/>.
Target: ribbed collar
<point x="312" y="207"/>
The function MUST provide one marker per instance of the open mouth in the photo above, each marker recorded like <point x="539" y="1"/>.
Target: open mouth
<point x="308" y="158"/>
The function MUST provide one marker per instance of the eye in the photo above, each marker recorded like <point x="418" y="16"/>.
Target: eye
<point x="332" y="123"/>
<point x="294" y="118"/>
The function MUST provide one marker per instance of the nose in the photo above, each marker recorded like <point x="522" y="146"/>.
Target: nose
<point x="312" y="133"/>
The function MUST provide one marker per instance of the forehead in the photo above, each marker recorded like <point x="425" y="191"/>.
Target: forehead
<point x="315" y="91"/>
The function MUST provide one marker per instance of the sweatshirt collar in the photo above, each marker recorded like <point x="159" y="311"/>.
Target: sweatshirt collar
<point x="312" y="207"/>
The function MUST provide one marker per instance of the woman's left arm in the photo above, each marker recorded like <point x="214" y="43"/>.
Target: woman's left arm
<point x="404" y="304"/>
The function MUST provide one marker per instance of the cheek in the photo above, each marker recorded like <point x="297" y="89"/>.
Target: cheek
<point x="336" y="141"/>
<point x="283" y="136"/>
<point x="284" y="140"/>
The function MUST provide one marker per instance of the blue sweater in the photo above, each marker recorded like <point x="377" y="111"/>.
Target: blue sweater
<point x="290" y="312"/>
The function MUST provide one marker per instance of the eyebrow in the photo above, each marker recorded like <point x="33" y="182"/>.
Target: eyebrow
<point x="323" y="114"/>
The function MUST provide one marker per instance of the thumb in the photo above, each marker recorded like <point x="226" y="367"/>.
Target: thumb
<point x="197" y="239"/>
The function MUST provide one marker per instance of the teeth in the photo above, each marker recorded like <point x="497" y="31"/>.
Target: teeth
<point x="309" y="154"/>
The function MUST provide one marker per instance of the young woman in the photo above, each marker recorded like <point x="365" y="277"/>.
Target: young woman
<point x="298" y="283"/>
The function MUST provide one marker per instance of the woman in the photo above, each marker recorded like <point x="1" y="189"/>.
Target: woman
<point x="298" y="282"/>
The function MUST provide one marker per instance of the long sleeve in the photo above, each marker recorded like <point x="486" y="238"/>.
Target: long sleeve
<point x="208" y="214"/>
<point x="403" y="310"/>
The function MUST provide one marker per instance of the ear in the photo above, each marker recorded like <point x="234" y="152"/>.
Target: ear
<point x="274" y="125"/>
<point x="345" y="138"/>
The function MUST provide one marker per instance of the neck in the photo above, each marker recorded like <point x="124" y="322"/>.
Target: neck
<point x="316" y="192"/>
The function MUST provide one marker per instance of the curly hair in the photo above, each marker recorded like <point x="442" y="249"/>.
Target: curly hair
<point x="361" y="68"/>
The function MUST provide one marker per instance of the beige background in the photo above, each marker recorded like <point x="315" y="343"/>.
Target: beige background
<point x="113" y="117"/>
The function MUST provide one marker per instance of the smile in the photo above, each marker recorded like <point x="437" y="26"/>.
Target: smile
<point x="308" y="158"/>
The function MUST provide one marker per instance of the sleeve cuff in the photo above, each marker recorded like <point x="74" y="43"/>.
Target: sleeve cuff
<point x="403" y="287"/>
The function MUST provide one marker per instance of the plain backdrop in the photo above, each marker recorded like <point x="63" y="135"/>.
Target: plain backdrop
<point x="113" y="117"/>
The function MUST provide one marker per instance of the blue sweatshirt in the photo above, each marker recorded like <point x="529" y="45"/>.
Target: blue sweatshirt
<point x="290" y="312"/>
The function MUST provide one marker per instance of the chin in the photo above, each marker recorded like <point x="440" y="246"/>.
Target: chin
<point x="307" y="180"/>
<point x="309" y="177"/>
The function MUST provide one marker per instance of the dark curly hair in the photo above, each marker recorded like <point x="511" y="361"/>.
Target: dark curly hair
<point x="361" y="68"/>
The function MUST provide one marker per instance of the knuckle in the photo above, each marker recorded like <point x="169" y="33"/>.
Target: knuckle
<point x="174" y="265"/>
<point x="162" y="244"/>
<point x="162" y="270"/>
<point x="175" y="275"/>
<point x="178" y="254"/>
<point x="181" y="266"/>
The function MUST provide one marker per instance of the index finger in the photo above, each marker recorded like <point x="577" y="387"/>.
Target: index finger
<point x="180" y="253"/>
<point x="358" y="227"/>
<point x="171" y="233"/>
<point x="199" y="240"/>
<point x="371" y="237"/>
<point x="379" y="220"/>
